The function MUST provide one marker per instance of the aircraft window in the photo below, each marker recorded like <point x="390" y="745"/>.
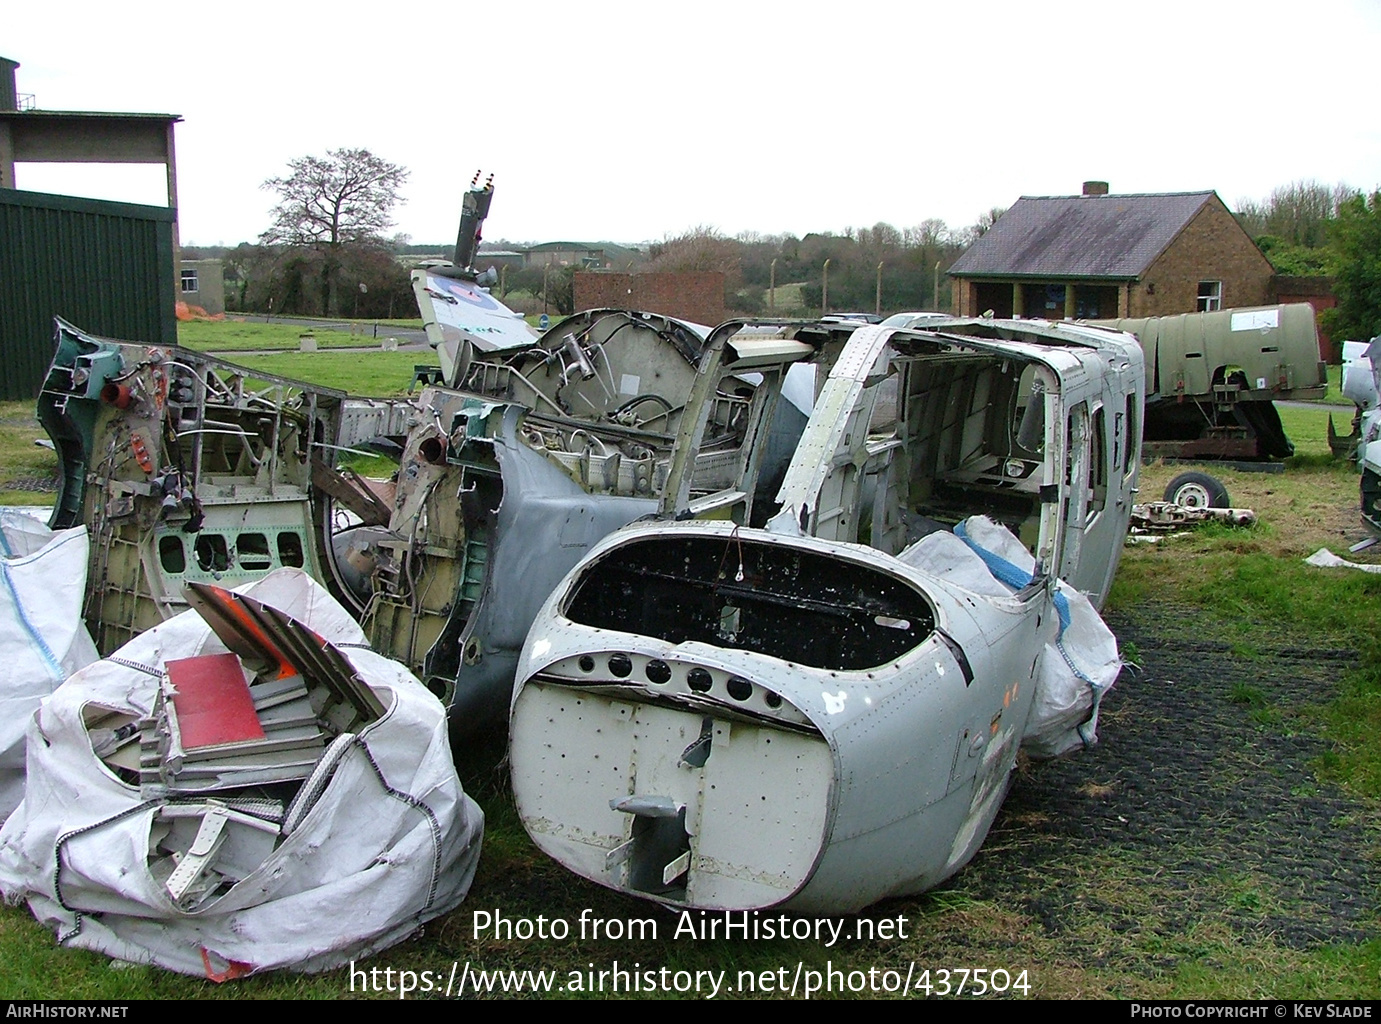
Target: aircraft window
<point x="252" y="549"/>
<point x="1028" y="425"/>
<point x="1098" y="464"/>
<point x="212" y="553"/>
<point x="1072" y="441"/>
<point x="1133" y="426"/>
<point x="1028" y="380"/>
<point x="1119" y="430"/>
<point x="171" y="555"/>
<point x="884" y="417"/>
<point x="1077" y="476"/>
<point x="290" y="549"/>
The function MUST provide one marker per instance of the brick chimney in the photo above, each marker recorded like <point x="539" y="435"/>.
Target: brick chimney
<point x="1095" y="188"/>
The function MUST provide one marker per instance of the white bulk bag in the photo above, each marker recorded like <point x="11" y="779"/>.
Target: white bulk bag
<point x="42" y="637"/>
<point x="392" y="841"/>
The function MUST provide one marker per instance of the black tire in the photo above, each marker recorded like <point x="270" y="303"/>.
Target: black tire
<point x="1197" y="490"/>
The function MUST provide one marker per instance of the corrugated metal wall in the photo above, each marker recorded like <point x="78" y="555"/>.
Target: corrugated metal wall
<point x="105" y="267"/>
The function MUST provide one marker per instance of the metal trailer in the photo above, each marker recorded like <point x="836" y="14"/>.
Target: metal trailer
<point x="1212" y="379"/>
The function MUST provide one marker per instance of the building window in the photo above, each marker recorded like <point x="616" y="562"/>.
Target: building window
<point x="1210" y="296"/>
<point x="189" y="281"/>
<point x="1094" y="301"/>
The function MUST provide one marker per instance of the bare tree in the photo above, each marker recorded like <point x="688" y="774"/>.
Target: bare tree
<point x="700" y="248"/>
<point x="343" y="200"/>
<point x="967" y="236"/>
<point x="988" y="219"/>
<point x="880" y="236"/>
<point x="1297" y="214"/>
<point x="1252" y="215"/>
<point x="929" y="232"/>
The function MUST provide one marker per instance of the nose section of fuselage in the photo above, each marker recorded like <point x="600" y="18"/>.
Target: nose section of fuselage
<point x="667" y="777"/>
<point x="674" y="732"/>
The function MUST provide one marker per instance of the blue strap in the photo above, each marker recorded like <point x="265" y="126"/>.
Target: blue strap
<point x="1015" y="577"/>
<point x="1011" y="575"/>
<point x="50" y="662"/>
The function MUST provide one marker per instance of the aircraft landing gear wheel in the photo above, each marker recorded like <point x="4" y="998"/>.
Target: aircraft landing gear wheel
<point x="1197" y="490"/>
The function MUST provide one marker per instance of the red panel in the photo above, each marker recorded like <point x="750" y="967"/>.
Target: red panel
<point x="213" y="701"/>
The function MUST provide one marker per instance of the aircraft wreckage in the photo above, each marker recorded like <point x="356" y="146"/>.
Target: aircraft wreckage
<point x="825" y="711"/>
<point x="188" y="469"/>
<point x="770" y="608"/>
<point x="1361" y="380"/>
<point x="839" y="651"/>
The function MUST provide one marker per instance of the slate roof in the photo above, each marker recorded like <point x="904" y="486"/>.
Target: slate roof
<point x="1111" y="236"/>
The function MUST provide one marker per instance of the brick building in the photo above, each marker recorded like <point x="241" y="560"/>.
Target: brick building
<point x="1099" y="256"/>
<point x="697" y="296"/>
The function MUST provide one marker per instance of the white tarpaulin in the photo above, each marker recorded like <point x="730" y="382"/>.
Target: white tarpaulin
<point x="1074" y="672"/>
<point x="390" y="842"/>
<point x="42" y="638"/>
<point x="1325" y="559"/>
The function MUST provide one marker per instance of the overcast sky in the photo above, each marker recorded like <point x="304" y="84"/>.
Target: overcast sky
<point x="633" y="121"/>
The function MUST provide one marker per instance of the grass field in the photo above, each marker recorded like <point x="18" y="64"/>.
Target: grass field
<point x="231" y="335"/>
<point x="373" y="374"/>
<point x="1334" y="393"/>
<point x="788" y="299"/>
<point x="1114" y="932"/>
<point x="27" y="470"/>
